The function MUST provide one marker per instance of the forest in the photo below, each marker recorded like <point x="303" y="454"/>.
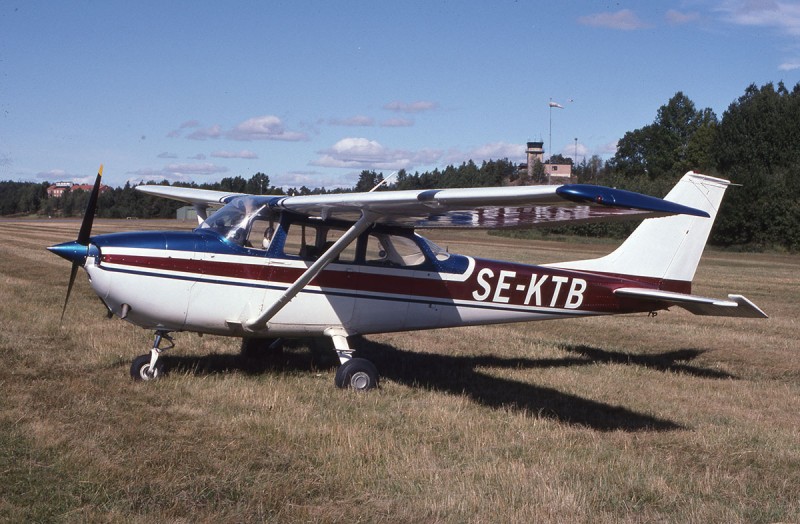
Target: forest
<point x="755" y="144"/>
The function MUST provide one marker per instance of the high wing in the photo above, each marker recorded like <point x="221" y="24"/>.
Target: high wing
<point x="484" y="207"/>
<point x="201" y="199"/>
<point x="190" y="195"/>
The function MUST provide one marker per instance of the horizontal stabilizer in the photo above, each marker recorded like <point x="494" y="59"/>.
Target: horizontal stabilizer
<point x="735" y="306"/>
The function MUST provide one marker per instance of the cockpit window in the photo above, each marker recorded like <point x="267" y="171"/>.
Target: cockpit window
<point x="245" y="221"/>
<point x="439" y="252"/>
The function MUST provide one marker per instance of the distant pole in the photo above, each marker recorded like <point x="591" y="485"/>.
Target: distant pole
<point x="550" y="139"/>
<point x="575" y="160"/>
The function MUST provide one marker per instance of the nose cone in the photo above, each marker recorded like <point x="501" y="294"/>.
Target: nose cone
<point x="72" y="251"/>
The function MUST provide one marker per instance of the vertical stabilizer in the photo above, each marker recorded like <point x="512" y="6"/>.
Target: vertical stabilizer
<point x="667" y="248"/>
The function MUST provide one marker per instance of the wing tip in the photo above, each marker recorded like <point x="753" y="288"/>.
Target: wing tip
<point x="607" y="196"/>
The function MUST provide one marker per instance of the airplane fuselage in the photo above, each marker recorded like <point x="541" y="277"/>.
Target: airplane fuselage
<point x="201" y="282"/>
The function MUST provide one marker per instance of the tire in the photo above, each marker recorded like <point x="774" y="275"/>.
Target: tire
<point x="358" y="374"/>
<point x="140" y="369"/>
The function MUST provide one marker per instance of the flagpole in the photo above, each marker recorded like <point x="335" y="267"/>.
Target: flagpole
<point x="550" y="105"/>
<point x="550" y="140"/>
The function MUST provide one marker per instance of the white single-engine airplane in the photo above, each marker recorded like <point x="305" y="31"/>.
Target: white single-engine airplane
<point x="339" y="265"/>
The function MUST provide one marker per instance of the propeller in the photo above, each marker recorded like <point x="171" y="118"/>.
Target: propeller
<point x="77" y="250"/>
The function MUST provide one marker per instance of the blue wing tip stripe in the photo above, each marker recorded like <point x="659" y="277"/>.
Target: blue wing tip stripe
<point x="586" y="193"/>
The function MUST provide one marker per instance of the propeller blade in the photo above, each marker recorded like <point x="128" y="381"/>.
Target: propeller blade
<point x="75" y="266"/>
<point x="77" y="251"/>
<point x="91" y="207"/>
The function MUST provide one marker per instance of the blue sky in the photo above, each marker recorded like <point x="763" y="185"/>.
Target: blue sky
<point x="312" y="92"/>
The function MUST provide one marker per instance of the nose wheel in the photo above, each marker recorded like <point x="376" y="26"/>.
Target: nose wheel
<point x="141" y="370"/>
<point x="147" y="367"/>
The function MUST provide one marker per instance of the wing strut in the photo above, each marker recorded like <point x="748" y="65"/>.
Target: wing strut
<point x="259" y="322"/>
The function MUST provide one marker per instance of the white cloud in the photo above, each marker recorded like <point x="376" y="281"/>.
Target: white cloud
<point x="490" y="151"/>
<point x="147" y="175"/>
<point x="397" y="122"/>
<point x="569" y="151"/>
<point x="789" y="66"/>
<point x="166" y="154"/>
<point x="783" y="16"/>
<point x="267" y="127"/>
<point x="204" y="168"/>
<point x="674" y="17"/>
<point x="624" y="20"/>
<point x="412" y="107"/>
<point x="313" y="179"/>
<point x="185" y="125"/>
<point x="176" y="172"/>
<point x="496" y="150"/>
<point x="353" y="121"/>
<point x="244" y="153"/>
<point x="54" y="175"/>
<point x="362" y="153"/>
<point x="214" y="131"/>
<point x="608" y="149"/>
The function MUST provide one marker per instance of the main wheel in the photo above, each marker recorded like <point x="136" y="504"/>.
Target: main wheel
<point x="357" y="373"/>
<point x="140" y="368"/>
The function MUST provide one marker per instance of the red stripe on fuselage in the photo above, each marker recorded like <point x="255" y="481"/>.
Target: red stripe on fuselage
<point x="491" y="282"/>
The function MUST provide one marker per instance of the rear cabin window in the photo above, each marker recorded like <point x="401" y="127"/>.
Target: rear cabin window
<point x="310" y="241"/>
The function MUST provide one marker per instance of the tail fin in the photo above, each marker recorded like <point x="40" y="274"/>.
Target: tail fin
<point x="667" y="248"/>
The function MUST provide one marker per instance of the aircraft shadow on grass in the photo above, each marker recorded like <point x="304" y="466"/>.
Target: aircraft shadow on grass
<point x="462" y="375"/>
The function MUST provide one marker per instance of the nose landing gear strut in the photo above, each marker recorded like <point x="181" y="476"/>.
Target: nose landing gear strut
<point x="147" y="366"/>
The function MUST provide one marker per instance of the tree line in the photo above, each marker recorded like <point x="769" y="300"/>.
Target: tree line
<point x="755" y="144"/>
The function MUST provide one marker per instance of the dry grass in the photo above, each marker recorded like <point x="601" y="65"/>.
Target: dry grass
<point x="632" y="419"/>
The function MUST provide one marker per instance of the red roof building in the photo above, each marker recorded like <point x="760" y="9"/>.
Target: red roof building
<point x="59" y="188"/>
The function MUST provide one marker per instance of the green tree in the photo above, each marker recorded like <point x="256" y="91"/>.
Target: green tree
<point x="680" y="139"/>
<point x="368" y="180"/>
<point x="758" y="146"/>
<point x="258" y="184"/>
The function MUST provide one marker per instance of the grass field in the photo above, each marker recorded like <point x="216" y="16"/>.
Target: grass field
<point x="622" y="419"/>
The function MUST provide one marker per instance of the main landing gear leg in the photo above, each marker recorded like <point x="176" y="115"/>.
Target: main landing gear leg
<point x="357" y="373"/>
<point x="147" y="367"/>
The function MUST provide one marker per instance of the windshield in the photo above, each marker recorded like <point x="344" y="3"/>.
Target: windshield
<point x="439" y="252"/>
<point x="232" y="220"/>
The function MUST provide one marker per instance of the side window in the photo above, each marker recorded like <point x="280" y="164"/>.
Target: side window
<point x="309" y="242"/>
<point x="393" y="250"/>
<point x="376" y="253"/>
<point x="408" y="251"/>
<point x="301" y="241"/>
<point x="348" y="256"/>
<point x="261" y="231"/>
